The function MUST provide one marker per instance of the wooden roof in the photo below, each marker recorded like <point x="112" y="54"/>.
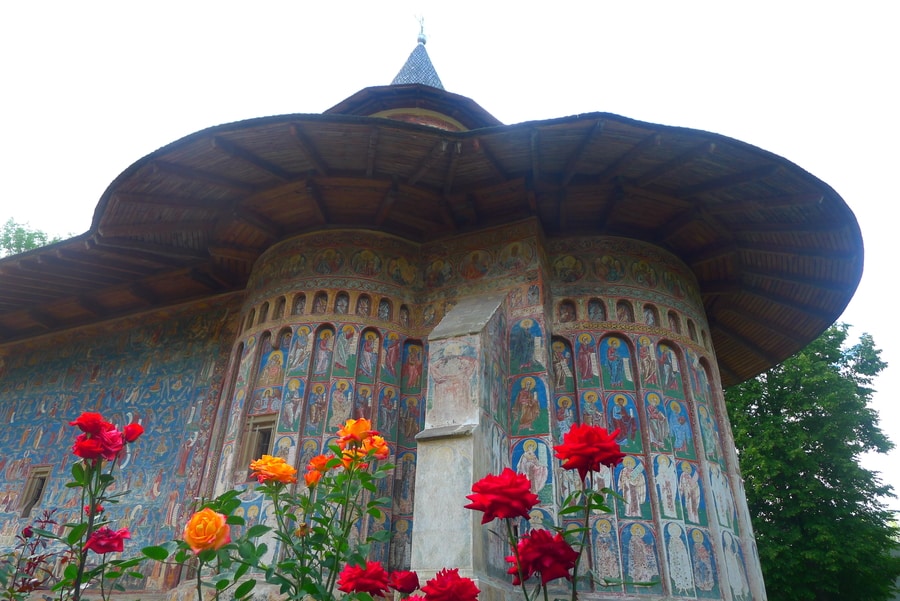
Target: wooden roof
<point x="777" y="252"/>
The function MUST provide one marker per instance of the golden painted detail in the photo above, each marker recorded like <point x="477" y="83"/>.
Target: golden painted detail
<point x="422" y="117"/>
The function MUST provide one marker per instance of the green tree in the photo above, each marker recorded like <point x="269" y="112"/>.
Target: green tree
<point x="17" y="237"/>
<point x="801" y="428"/>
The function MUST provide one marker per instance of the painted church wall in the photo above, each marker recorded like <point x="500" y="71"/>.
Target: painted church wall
<point x="162" y="370"/>
<point x="593" y="330"/>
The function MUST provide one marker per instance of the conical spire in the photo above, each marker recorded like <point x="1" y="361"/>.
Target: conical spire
<point x="418" y="67"/>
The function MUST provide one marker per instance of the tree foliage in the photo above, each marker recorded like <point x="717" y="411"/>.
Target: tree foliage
<point x="17" y="237"/>
<point x="801" y="428"/>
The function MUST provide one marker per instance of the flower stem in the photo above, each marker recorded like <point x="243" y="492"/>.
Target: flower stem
<point x="514" y="543"/>
<point x="199" y="581"/>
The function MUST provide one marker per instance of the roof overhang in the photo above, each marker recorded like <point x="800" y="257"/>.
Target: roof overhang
<point x="777" y="253"/>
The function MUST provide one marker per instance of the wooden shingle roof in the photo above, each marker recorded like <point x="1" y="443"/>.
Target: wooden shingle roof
<point x="777" y="252"/>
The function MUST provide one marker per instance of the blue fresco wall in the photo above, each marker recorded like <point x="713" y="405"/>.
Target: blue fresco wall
<point x="162" y="370"/>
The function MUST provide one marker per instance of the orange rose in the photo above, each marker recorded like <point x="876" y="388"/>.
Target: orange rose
<point x="312" y="478"/>
<point x="319" y="463"/>
<point x="377" y="446"/>
<point x="353" y="455"/>
<point x="268" y="468"/>
<point x="207" y="529"/>
<point x="354" y="432"/>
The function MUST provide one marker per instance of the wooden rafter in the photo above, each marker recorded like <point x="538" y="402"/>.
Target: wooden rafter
<point x="761" y="320"/>
<point x="387" y="203"/>
<point x="741" y="340"/>
<point x="574" y="159"/>
<point x="455" y="153"/>
<point x="306" y="146"/>
<point x="535" y="140"/>
<point x="810" y="226"/>
<point x="265" y="226"/>
<point x="673" y="228"/>
<point x="636" y="151"/>
<point x="196" y="175"/>
<point x="793" y="251"/>
<point x="716" y="252"/>
<point x="55" y="267"/>
<point x="150" y="248"/>
<point x="32" y="271"/>
<point x="158" y="201"/>
<point x="372" y="152"/>
<point x="250" y="158"/>
<point x="492" y="163"/>
<point x="428" y="161"/>
<point x="678" y="162"/>
<point x="729" y="181"/>
<point x="152" y="228"/>
<point x="77" y="259"/>
<point x="778" y="275"/>
<point x="317" y="202"/>
<point x="789" y="303"/>
<point x="235" y="252"/>
<point x="782" y="201"/>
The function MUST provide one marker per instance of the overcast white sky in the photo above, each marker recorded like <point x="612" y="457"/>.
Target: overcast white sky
<point x="90" y="87"/>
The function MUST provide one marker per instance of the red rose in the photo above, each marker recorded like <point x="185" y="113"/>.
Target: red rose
<point x="27" y="532"/>
<point x="541" y="552"/>
<point x="104" y="540"/>
<point x="112" y="442"/>
<point x="403" y="582"/>
<point x="87" y="448"/>
<point x="505" y="496"/>
<point x="448" y="585"/>
<point x="585" y="448"/>
<point x="132" y="432"/>
<point x="91" y="423"/>
<point x="372" y="579"/>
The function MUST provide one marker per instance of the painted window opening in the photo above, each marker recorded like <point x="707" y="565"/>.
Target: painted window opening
<point x="299" y="305"/>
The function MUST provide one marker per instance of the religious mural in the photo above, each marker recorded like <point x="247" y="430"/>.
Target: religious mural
<point x="586" y="335"/>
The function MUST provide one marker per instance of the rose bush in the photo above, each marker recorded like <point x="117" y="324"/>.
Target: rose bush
<point x="98" y="447"/>
<point x="314" y="557"/>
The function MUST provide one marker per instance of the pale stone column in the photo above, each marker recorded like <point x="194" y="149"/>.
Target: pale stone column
<point x="452" y="450"/>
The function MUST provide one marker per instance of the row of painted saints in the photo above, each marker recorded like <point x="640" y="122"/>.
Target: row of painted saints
<point x="627" y="554"/>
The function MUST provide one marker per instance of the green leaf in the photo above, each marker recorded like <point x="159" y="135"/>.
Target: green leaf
<point x="235" y="520"/>
<point x="74" y="537"/>
<point x="257" y="530"/>
<point x="244" y="589"/>
<point x="45" y="534"/>
<point x="241" y="570"/>
<point x="571" y="509"/>
<point x="157" y="553"/>
<point x="78" y="473"/>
